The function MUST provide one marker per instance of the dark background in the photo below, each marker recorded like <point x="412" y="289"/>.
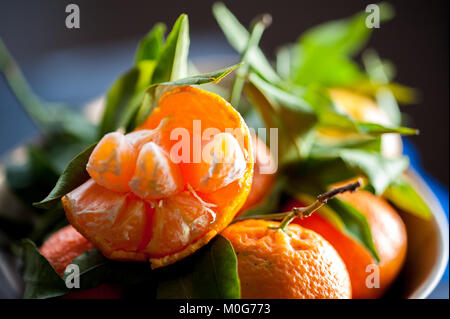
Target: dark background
<point x="78" y="65"/>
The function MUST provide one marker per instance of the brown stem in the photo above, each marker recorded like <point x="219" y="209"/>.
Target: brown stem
<point x="302" y="212"/>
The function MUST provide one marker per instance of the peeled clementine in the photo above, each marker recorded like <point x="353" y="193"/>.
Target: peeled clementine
<point x="389" y="236"/>
<point x="298" y="264"/>
<point x="166" y="189"/>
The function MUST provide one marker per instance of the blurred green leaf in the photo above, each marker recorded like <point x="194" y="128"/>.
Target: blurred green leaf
<point x="284" y="62"/>
<point x="125" y="96"/>
<point x="344" y="37"/>
<point x="73" y="176"/>
<point x="322" y="149"/>
<point x="380" y="71"/>
<point x="329" y="116"/>
<point x="33" y="178"/>
<point x="324" y="52"/>
<point x="48" y="117"/>
<point x="292" y="116"/>
<point x="238" y="36"/>
<point x="154" y="62"/>
<point x="41" y="280"/>
<point x="380" y="171"/>
<point x="377" y="129"/>
<point x="172" y="63"/>
<point x="150" y="46"/>
<point x="256" y="33"/>
<point x="403" y="194"/>
<point x="211" y="273"/>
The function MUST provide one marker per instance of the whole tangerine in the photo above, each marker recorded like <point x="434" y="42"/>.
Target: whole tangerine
<point x="292" y="264"/>
<point x="388" y="234"/>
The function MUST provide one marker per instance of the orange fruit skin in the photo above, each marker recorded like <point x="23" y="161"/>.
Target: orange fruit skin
<point x="388" y="233"/>
<point x="262" y="183"/>
<point x="176" y="109"/>
<point x="275" y="265"/>
<point x="65" y="245"/>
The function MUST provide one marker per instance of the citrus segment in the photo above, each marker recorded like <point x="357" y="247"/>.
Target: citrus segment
<point x="155" y="175"/>
<point x="222" y="163"/>
<point x="112" y="162"/>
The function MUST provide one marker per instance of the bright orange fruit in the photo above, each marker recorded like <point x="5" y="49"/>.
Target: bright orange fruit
<point x="65" y="245"/>
<point x="389" y="236"/>
<point x="298" y="264"/>
<point x="165" y="190"/>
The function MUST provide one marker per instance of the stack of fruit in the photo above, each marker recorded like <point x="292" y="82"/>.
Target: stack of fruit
<point x="176" y="189"/>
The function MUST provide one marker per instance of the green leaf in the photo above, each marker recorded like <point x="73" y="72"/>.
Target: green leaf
<point x="284" y="61"/>
<point x="380" y="171"/>
<point x="356" y="224"/>
<point x="173" y="60"/>
<point x="344" y="37"/>
<point x="330" y="46"/>
<point x="93" y="269"/>
<point x="381" y="72"/>
<point x="155" y="91"/>
<point x="403" y="193"/>
<point x="49" y="117"/>
<point x="210" y="273"/>
<point x="41" y="280"/>
<point x="34" y="178"/>
<point x="329" y="116"/>
<point x="150" y="46"/>
<point x="238" y="36"/>
<point x="315" y="67"/>
<point x="284" y="97"/>
<point x="155" y="63"/>
<point x="325" y="150"/>
<point x="125" y="96"/>
<point x="73" y="176"/>
<point x="377" y="129"/>
<point x="96" y="269"/>
<point x="291" y="115"/>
